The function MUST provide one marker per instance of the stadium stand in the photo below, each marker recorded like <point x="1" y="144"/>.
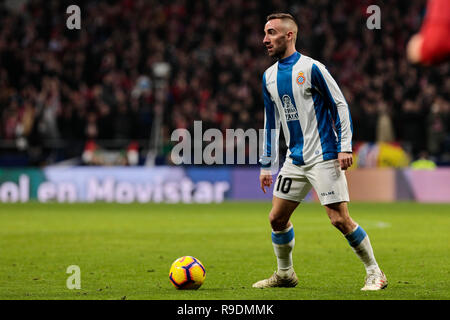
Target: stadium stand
<point x="137" y="70"/>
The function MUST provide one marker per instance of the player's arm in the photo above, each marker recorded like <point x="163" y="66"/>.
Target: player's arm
<point x="432" y="44"/>
<point x="322" y="80"/>
<point x="269" y="158"/>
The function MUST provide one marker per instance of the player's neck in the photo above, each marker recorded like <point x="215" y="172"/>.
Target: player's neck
<point x="289" y="52"/>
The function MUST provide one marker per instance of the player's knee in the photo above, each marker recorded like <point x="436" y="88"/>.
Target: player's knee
<point x="278" y="222"/>
<point x="339" y="216"/>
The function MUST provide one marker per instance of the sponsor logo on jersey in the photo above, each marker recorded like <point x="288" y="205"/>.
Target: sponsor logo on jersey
<point x="289" y="109"/>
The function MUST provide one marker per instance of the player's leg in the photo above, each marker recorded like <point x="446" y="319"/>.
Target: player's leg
<point x="340" y="217"/>
<point x="359" y="242"/>
<point x="290" y="189"/>
<point x="331" y="186"/>
<point x="355" y="234"/>
<point x="283" y="242"/>
<point x="283" y="239"/>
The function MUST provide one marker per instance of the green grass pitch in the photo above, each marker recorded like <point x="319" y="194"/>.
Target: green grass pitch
<point x="125" y="251"/>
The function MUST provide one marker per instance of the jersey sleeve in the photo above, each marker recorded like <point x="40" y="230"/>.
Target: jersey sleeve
<point x="269" y="158"/>
<point x="435" y="29"/>
<point x="322" y="81"/>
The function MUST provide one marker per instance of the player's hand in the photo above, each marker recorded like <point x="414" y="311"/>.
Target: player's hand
<point x="266" y="181"/>
<point x="413" y="52"/>
<point x="345" y="160"/>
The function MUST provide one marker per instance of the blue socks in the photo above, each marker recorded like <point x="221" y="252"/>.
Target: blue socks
<point x="360" y="243"/>
<point x="283" y="243"/>
<point x="355" y="237"/>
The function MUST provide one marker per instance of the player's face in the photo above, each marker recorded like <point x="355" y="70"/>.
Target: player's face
<point x="275" y="38"/>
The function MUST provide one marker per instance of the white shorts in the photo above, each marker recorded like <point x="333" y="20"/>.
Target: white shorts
<point x="328" y="179"/>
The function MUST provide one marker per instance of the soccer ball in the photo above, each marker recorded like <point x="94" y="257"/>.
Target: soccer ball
<point x="187" y="273"/>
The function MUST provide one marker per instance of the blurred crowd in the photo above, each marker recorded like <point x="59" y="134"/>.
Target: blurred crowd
<point x="133" y="61"/>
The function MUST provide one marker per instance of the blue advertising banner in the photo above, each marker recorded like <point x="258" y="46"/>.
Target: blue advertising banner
<point x="192" y="184"/>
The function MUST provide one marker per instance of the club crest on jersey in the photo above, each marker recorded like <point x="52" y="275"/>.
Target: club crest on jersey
<point x="289" y="109"/>
<point x="300" y="78"/>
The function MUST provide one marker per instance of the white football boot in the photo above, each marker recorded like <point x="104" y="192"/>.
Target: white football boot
<point x="375" y="281"/>
<point x="276" y="281"/>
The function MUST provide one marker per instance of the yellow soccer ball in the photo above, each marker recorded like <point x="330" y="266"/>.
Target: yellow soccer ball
<point x="187" y="273"/>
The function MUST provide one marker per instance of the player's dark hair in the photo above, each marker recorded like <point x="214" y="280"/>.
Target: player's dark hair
<point x="280" y="15"/>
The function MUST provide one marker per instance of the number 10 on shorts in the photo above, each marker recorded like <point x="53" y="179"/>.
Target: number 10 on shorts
<point x="283" y="185"/>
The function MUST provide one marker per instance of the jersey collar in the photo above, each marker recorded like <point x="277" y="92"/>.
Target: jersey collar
<point x="288" y="61"/>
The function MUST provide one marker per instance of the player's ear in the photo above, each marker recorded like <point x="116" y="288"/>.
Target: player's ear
<point x="290" y="35"/>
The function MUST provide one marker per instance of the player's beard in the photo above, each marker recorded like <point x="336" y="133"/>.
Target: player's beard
<point x="280" y="51"/>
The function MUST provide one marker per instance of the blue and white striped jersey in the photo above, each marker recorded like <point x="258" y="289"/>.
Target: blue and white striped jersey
<point x="301" y="95"/>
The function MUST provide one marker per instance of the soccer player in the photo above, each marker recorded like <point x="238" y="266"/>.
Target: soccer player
<point x="301" y="95"/>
